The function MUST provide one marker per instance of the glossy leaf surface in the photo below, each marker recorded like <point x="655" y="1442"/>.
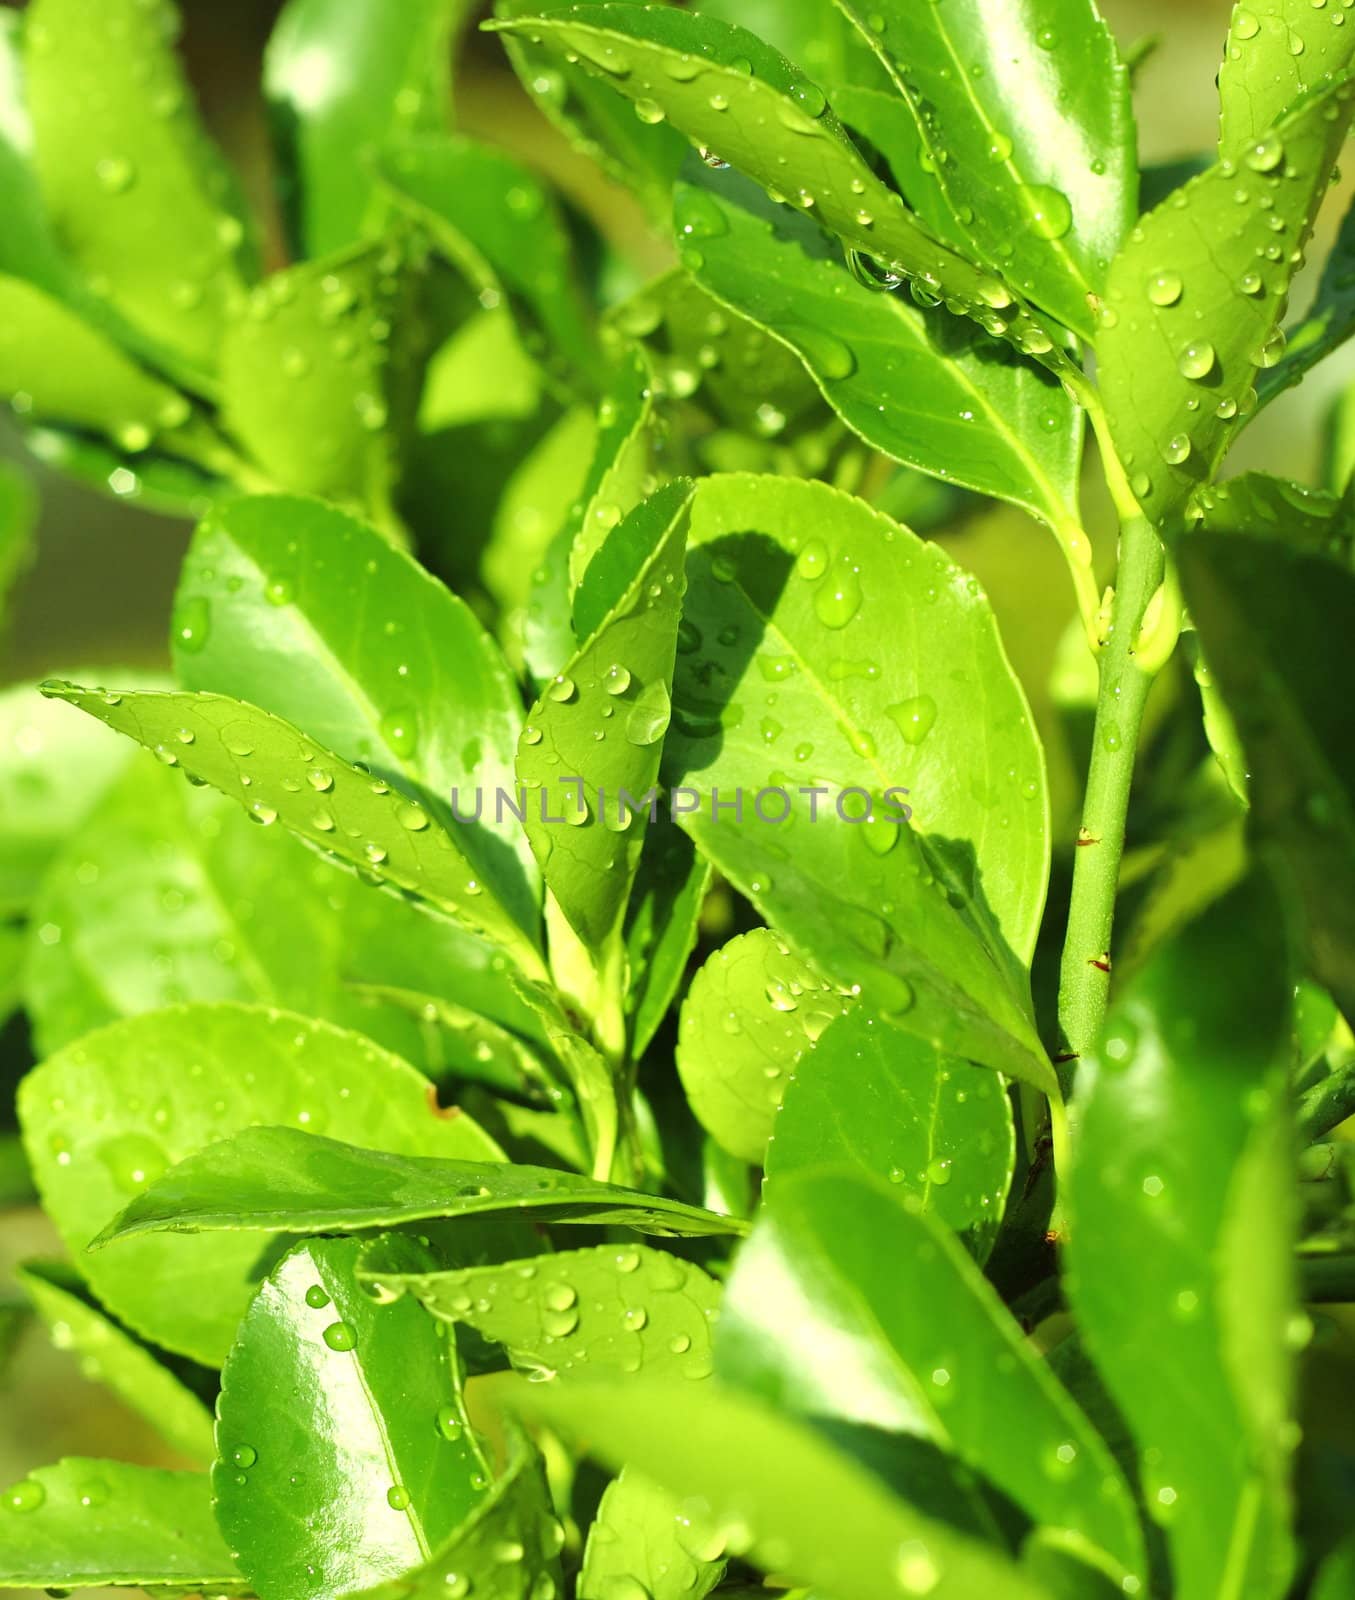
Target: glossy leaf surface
<point x="107" y="1116"/>
<point x="661" y="925"/>
<point x="641" y="1534"/>
<point x="1276" y="50"/>
<point x="409" y="684"/>
<point x="108" y="1354"/>
<point x="346" y="1452"/>
<point x="600" y="724"/>
<point x="919" y="1344"/>
<point x="90" y="1524"/>
<point x="927" y="388"/>
<point x="1266" y="616"/>
<point x="886" y="1103"/>
<point x="1195" y="298"/>
<point x="341" y="79"/>
<point x="1180" y="1220"/>
<point x="776" y="1488"/>
<point x="1029" y="130"/>
<point x="308" y="374"/>
<point x="623" y="1308"/>
<point x="762" y="115"/>
<point x="267" y="1179"/>
<point x="882" y="660"/>
<point x="142" y="203"/>
<point x="507" y="1549"/>
<point x="753" y="1012"/>
<point x="346" y="813"/>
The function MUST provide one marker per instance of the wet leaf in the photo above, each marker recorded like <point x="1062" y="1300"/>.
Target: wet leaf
<point x="661" y="925"/>
<point x="887" y="1104"/>
<point x="348" y="814"/>
<point x="920" y="1345"/>
<point x="105" y="1117"/>
<point x="341" y="79"/>
<point x="409" y="684"/>
<point x="642" y="1535"/>
<point x="92" y="1524"/>
<point x="622" y="1308"/>
<point x="377" y="1466"/>
<point x="1276" y="51"/>
<point x="1261" y="506"/>
<point x="108" y="1354"/>
<point x="590" y="751"/>
<point x="774" y="1488"/>
<point x="977" y="413"/>
<point x="1326" y="325"/>
<point x="1179" y="1239"/>
<point x="849" y="659"/>
<point x="1196" y="296"/>
<point x="495" y="221"/>
<point x="267" y="1179"/>
<point x="751" y="1015"/>
<point x="143" y="204"/>
<point x="1029" y="130"/>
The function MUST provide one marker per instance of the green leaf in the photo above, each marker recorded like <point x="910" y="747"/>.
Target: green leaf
<point x="820" y="39"/>
<point x="594" y="118"/>
<point x="514" y="1519"/>
<point x="55" y="367"/>
<point x="411" y="686"/>
<point x="1196" y="296"/>
<point x="311" y="374"/>
<point x="977" y="414"/>
<point x="1337" y="1574"/>
<point x="28" y="247"/>
<point x="642" y="1535"/>
<point x="341" y="79"/>
<point x="170" y="893"/>
<point x="108" y="1354"/>
<point x="837" y="651"/>
<point x="611" y="1308"/>
<point x="599" y="726"/>
<point x="1276" y="51"/>
<point x="276" y="1179"/>
<point x="718" y="358"/>
<point x="152" y="479"/>
<point x="1254" y="503"/>
<point x="1179" y="1239"/>
<point x="143" y="204"/>
<point x="378" y="1467"/>
<point x="1267" y="615"/>
<point x="760" y="113"/>
<point x="920" y="1344"/>
<point x="882" y="121"/>
<point x="1029" y="130"/>
<point x="495" y="220"/>
<point x="661" y="925"/>
<point x="54" y="767"/>
<point x="774" y="1488"/>
<point x="91" y="1524"/>
<point x="1328" y="322"/>
<point x="750" y="1017"/>
<point x="888" y="1104"/>
<point x="614" y="485"/>
<point x="106" y="1116"/>
<point x="349" y="814"/>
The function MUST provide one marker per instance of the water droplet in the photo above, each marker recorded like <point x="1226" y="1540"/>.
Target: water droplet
<point x="1266" y="154"/>
<point x="812" y="561"/>
<point x="278" y="592"/>
<point x="244" y="1455"/>
<point x="870" y="273"/>
<point x="838" y="596"/>
<point x="449" y="1423"/>
<point x="1164" y="288"/>
<point x="399" y="730"/>
<point x="650" y="112"/>
<point x="115" y="174"/>
<point x="562" y="689"/>
<point x="634" y="1319"/>
<point x="999" y="148"/>
<point x="1245" y="25"/>
<point x="1176" y="449"/>
<point x="1048" y="210"/>
<point x="339" y="1336"/>
<point x="616" y="680"/>
<point x="699" y="216"/>
<point x="938" y="1171"/>
<point x="133" y="1160"/>
<point x="26" y="1495"/>
<point x="398" y="1497"/>
<point x="192" y="623"/>
<point x="918" y="1571"/>
<point x="914" y="718"/>
<point x="316" y="1297"/>
<point x="1196" y="360"/>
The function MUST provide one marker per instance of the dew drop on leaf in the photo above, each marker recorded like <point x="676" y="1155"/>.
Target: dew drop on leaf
<point x="1196" y="360"/>
<point x="339" y="1336"/>
<point x="914" y="718"/>
<point x="26" y="1495"/>
<point x="1164" y="288"/>
<point x="1048" y="210"/>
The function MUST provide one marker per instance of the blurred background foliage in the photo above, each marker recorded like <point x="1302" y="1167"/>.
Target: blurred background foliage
<point x="100" y="588"/>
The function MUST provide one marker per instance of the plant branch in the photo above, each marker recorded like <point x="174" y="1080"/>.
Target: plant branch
<point x="1328" y="1104"/>
<point x="1084" y="979"/>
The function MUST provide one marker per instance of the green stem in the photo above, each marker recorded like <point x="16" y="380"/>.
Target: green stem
<point x="1328" y="1105"/>
<point x="1084" y="980"/>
